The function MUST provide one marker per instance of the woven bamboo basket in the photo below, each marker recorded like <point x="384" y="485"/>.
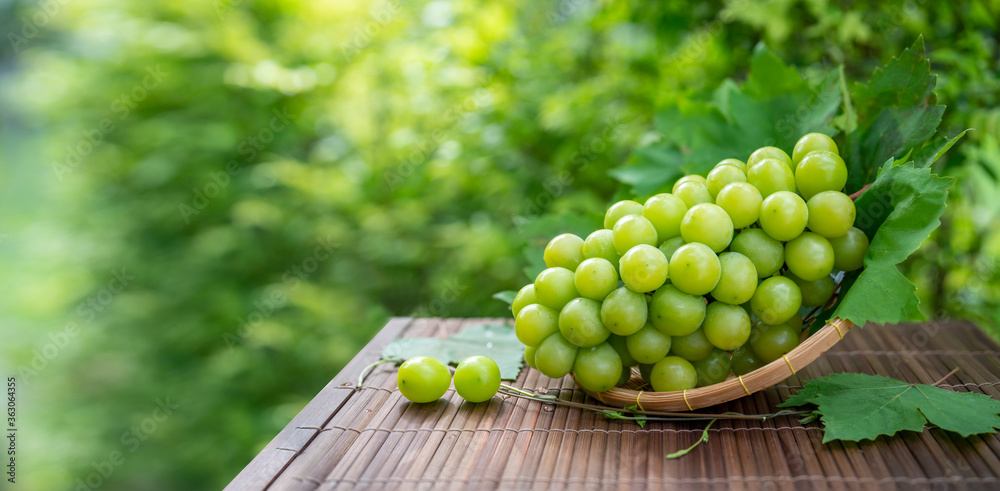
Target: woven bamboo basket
<point x="732" y="388"/>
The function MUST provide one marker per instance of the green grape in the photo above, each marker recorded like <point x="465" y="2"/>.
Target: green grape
<point x="776" y="300"/>
<point x="644" y="268"/>
<point x="669" y="246"/>
<point x="595" y="278"/>
<point x="580" y="323"/>
<point x="534" y="323"/>
<point x="726" y="326"/>
<point x="795" y="321"/>
<point x="770" y="176"/>
<point x="769" y="153"/>
<point x="744" y="360"/>
<point x="809" y="256"/>
<point x="477" y="379"/>
<point x="767" y="254"/>
<point x="722" y="175"/>
<point x="708" y="224"/>
<point x="620" y="344"/>
<point x="692" y="347"/>
<point x="648" y="345"/>
<point x="601" y="244"/>
<point x="783" y="215"/>
<point x="689" y="178"/>
<point x="737" y="162"/>
<point x="554" y="287"/>
<point x="525" y="296"/>
<point x="529" y="356"/>
<point x="738" y="279"/>
<point x="423" y="379"/>
<point x="816" y="292"/>
<point x="693" y="193"/>
<point x="820" y="171"/>
<point x="774" y="341"/>
<point x="598" y="368"/>
<point x="626" y="375"/>
<point x="631" y="231"/>
<point x="620" y="210"/>
<point x="645" y="370"/>
<point x="555" y="356"/>
<point x="741" y="201"/>
<point x="676" y="313"/>
<point x="831" y="214"/>
<point x="713" y="368"/>
<point x="673" y="373"/>
<point x="695" y="269"/>
<point x="564" y="251"/>
<point x="624" y="311"/>
<point x="665" y="212"/>
<point x="849" y="251"/>
<point x="812" y="142"/>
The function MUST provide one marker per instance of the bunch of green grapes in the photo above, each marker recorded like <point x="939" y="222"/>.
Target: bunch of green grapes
<point x="694" y="285"/>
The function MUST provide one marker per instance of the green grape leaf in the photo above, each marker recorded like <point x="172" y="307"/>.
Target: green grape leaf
<point x="640" y="419"/>
<point x="930" y="153"/>
<point x="506" y="296"/>
<point x="855" y="407"/>
<point x="897" y="212"/>
<point x="495" y="341"/>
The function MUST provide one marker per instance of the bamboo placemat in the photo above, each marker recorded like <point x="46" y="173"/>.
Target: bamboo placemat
<point x="374" y="438"/>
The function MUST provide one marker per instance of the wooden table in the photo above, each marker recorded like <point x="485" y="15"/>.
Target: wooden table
<point x="374" y="438"/>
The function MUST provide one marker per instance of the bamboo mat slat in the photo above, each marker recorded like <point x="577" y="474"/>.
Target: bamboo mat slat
<point x="373" y="438"/>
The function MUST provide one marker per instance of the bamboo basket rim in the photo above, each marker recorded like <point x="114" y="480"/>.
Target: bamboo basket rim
<point x="735" y="387"/>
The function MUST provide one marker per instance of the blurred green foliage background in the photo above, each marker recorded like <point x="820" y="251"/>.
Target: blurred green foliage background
<point x="211" y="206"/>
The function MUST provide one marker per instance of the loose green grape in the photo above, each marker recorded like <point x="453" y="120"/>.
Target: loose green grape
<point x="597" y="369"/>
<point x="580" y="323"/>
<point x="644" y="268"/>
<point x="831" y="214"/>
<point x="477" y="379"/>
<point x="741" y="201"/>
<point x="689" y="178"/>
<point x="525" y="296"/>
<point x="534" y="323"/>
<point x="620" y="345"/>
<point x="619" y="210"/>
<point x="692" y="347"/>
<point x="695" y="269"/>
<point x="648" y="345"/>
<point x="676" y="313"/>
<point x="595" y="278"/>
<point x="820" y="171"/>
<point x="722" y="175"/>
<point x="693" y="193"/>
<point x="673" y="373"/>
<point x="631" y="231"/>
<point x="624" y="311"/>
<point x="726" y="326"/>
<point x="766" y="253"/>
<point x="849" y="251"/>
<point x="665" y="212"/>
<point x="776" y="300"/>
<point x="554" y="287"/>
<point x="737" y="162"/>
<point x="812" y="142"/>
<point x="774" y="341"/>
<point x="738" y="279"/>
<point x="708" y="224"/>
<point x="563" y="252"/>
<point x="669" y="246"/>
<point x="770" y="176"/>
<point x="601" y="244"/>
<point x="713" y="368"/>
<point x="783" y="215"/>
<point x="529" y="356"/>
<point x="769" y="153"/>
<point x="645" y="370"/>
<point x="809" y="256"/>
<point x="816" y="292"/>
<point x="555" y="356"/>
<point x="744" y="360"/>
<point x="423" y="379"/>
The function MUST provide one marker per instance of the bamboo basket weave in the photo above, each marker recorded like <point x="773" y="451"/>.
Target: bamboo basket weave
<point x="732" y="388"/>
